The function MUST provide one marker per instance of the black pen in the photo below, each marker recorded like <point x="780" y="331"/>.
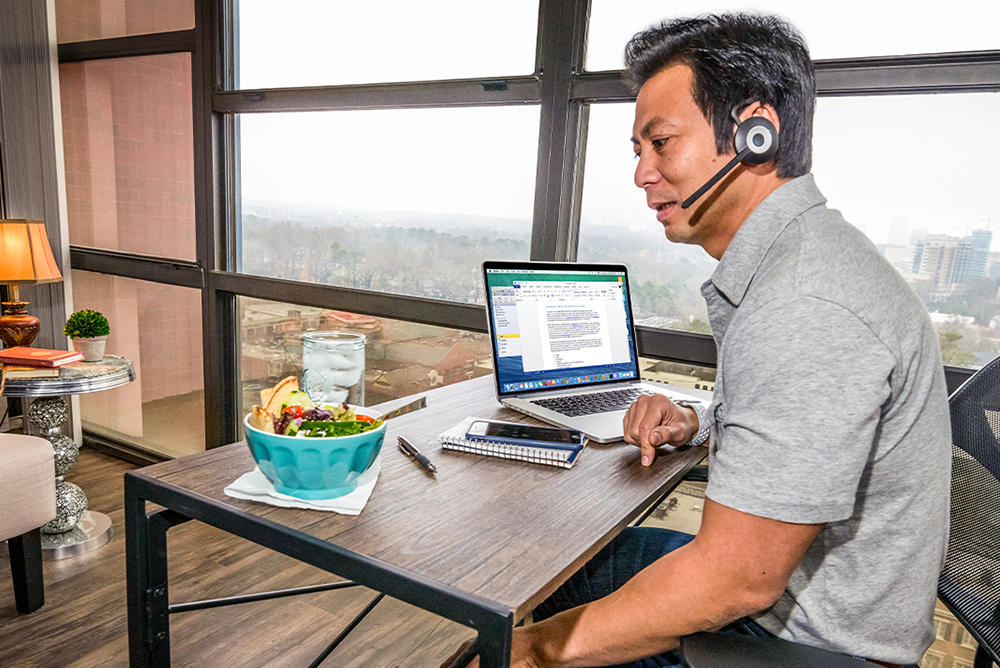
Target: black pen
<point x="411" y="451"/>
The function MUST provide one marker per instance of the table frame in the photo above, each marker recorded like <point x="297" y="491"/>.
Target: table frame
<point x="146" y="572"/>
<point x="146" y="560"/>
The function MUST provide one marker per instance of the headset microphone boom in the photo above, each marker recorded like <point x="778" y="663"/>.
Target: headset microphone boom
<point x="756" y="142"/>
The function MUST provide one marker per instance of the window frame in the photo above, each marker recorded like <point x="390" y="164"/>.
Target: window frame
<point x="943" y="628"/>
<point x="938" y="658"/>
<point x="965" y="638"/>
<point x="559" y="85"/>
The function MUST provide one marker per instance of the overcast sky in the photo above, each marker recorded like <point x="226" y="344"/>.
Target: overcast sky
<point x="889" y="163"/>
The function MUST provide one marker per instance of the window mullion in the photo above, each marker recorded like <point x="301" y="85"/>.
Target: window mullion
<point x="562" y="33"/>
<point x="213" y="226"/>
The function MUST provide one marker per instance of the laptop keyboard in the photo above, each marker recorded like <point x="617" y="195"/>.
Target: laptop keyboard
<point x="591" y="403"/>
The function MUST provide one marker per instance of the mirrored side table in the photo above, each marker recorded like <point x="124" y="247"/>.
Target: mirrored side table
<point x="75" y="529"/>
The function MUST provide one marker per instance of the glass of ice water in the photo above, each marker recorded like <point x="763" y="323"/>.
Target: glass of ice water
<point x="333" y="367"/>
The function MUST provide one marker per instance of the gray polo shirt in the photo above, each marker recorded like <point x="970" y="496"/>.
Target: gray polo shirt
<point x="830" y="407"/>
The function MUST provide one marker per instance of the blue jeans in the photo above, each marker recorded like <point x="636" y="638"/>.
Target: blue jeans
<point x="633" y="549"/>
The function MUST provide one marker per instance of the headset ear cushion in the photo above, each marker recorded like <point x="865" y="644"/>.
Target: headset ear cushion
<point x="761" y="136"/>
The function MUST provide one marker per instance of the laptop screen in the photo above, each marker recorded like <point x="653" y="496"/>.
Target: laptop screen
<point x="558" y="326"/>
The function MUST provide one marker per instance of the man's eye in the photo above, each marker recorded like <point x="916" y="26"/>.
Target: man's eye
<point x="658" y="143"/>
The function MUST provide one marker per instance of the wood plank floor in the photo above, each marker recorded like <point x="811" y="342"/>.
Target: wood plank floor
<point x="83" y="625"/>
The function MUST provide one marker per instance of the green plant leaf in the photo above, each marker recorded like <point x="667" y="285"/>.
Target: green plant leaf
<point x="86" y="324"/>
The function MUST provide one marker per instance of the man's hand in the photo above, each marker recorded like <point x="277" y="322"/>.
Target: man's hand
<point x="450" y="661"/>
<point x="654" y="420"/>
<point x="521" y="654"/>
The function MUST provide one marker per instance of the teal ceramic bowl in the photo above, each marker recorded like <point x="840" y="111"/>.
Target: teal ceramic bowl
<point x="314" y="468"/>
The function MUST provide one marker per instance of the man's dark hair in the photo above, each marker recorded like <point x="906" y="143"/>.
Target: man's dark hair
<point x="737" y="59"/>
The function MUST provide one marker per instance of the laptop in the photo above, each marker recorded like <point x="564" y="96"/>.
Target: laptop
<point x="564" y="348"/>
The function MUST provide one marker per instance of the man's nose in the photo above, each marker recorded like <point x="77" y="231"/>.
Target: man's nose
<point x="645" y="173"/>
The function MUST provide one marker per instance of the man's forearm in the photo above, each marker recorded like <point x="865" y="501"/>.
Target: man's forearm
<point x="737" y="565"/>
<point x="678" y="595"/>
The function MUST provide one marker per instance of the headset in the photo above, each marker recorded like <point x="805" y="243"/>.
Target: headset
<point x="756" y="142"/>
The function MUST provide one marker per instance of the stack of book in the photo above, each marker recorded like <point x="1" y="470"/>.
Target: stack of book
<point x="16" y="371"/>
<point x="24" y="362"/>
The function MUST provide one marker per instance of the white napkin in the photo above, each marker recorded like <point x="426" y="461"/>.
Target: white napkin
<point x="254" y="486"/>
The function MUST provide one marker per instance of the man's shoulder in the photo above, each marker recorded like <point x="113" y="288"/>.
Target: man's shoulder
<point x="819" y="258"/>
<point x="819" y="254"/>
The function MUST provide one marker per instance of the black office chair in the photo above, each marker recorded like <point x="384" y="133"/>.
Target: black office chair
<point x="970" y="582"/>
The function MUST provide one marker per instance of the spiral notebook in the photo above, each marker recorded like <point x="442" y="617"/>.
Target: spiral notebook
<point x="454" y="439"/>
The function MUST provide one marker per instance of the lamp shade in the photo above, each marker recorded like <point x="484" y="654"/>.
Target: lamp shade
<point x="25" y="256"/>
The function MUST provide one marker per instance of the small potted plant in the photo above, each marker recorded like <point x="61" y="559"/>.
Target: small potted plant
<point x="89" y="331"/>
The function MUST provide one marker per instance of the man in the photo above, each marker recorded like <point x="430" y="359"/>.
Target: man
<point x="826" y="511"/>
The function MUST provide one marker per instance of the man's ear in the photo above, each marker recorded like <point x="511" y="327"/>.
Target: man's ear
<point x="756" y="136"/>
<point x="764" y="110"/>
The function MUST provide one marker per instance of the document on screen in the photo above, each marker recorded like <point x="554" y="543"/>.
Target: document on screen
<point x="572" y="334"/>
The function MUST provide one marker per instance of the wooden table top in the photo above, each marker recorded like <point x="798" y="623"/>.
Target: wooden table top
<point x="508" y="531"/>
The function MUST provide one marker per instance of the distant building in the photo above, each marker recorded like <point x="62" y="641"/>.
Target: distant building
<point x="953" y="647"/>
<point x="980" y="252"/>
<point x="951" y="318"/>
<point x="993" y="264"/>
<point x="944" y="259"/>
<point x="901" y="257"/>
<point x="948" y="260"/>
<point x="408" y="367"/>
<point x="355" y="322"/>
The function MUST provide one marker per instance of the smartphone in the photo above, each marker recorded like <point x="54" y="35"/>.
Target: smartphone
<point x="523" y="434"/>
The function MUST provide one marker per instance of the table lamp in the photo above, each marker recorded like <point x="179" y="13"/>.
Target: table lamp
<point x="25" y="257"/>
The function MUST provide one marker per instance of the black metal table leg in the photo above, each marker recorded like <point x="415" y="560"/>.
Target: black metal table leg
<point x="140" y="652"/>
<point x="146" y="580"/>
<point x="493" y="642"/>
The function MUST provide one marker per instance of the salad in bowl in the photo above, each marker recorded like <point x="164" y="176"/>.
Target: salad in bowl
<point x="310" y="451"/>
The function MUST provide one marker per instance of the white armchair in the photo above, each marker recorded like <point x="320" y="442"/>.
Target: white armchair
<point x="27" y="501"/>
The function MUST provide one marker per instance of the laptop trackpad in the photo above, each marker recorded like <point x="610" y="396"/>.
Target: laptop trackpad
<point x="602" y="427"/>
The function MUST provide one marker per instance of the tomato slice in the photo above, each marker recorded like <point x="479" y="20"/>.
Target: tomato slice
<point x="294" y="412"/>
<point x="364" y="418"/>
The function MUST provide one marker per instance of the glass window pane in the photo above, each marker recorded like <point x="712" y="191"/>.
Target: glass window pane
<point x="848" y="29"/>
<point x="915" y="179"/>
<point x="871" y="160"/>
<point x="401" y="358"/>
<point x="403" y="201"/>
<point x="158" y="327"/>
<point x="127" y="137"/>
<point x="617" y="226"/>
<point x="675" y="373"/>
<point x="318" y="42"/>
<point x="81" y="20"/>
<point x="682" y="509"/>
